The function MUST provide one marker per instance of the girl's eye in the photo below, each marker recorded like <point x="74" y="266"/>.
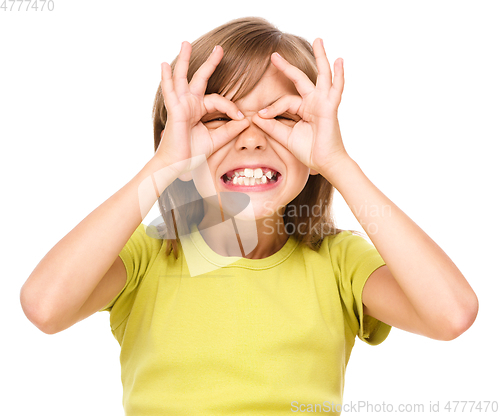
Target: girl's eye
<point x="217" y="119"/>
<point x="285" y="118"/>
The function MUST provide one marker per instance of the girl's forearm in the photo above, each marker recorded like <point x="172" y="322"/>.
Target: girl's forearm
<point x="67" y="275"/>
<point x="433" y="284"/>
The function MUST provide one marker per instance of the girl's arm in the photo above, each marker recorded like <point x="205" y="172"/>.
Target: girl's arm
<point x="56" y="293"/>
<point x="420" y="289"/>
<point x="82" y="273"/>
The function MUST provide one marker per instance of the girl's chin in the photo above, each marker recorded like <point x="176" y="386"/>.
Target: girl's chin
<point x="247" y="207"/>
<point x="256" y="216"/>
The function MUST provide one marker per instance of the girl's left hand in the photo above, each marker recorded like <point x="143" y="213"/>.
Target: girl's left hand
<point x="315" y="140"/>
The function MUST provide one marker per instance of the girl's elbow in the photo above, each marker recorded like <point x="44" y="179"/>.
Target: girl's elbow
<point x="30" y="307"/>
<point x="463" y="318"/>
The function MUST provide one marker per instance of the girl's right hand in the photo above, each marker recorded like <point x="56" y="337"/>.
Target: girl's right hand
<point x="185" y="136"/>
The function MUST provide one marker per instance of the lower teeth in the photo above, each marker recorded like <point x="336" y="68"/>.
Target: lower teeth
<point x="250" y="181"/>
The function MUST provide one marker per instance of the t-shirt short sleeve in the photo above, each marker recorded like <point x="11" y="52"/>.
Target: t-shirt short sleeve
<point x="136" y="256"/>
<point x="357" y="259"/>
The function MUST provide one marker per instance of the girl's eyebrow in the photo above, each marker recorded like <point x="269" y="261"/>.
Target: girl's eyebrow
<point x="271" y="103"/>
<point x="281" y="96"/>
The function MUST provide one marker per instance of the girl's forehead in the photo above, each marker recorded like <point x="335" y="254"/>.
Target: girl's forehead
<point x="273" y="85"/>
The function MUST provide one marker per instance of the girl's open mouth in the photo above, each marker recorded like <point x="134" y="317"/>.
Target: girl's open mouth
<point x="251" y="179"/>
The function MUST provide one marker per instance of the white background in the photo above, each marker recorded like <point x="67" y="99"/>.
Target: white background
<point x="419" y="114"/>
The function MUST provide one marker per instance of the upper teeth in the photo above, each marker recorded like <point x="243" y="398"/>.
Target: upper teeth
<point x="253" y="173"/>
<point x="256" y="173"/>
<point x="249" y="177"/>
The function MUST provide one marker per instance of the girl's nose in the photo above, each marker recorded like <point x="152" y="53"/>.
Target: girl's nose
<point x="252" y="138"/>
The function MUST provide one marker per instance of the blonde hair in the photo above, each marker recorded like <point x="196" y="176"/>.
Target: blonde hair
<point x="248" y="44"/>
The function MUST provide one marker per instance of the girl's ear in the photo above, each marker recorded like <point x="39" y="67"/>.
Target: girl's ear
<point x="185" y="177"/>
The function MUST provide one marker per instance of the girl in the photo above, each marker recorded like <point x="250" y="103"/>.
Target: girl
<point x="247" y="299"/>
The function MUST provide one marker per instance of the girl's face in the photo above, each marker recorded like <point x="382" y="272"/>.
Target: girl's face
<point x="255" y="154"/>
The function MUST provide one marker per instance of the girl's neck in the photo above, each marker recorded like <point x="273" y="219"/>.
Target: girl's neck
<point x="221" y="238"/>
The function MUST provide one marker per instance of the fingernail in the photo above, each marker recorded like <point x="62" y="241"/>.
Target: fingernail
<point x="214" y="49"/>
<point x="240" y="114"/>
<point x="277" y="54"/>
<point x="263" y="111"/>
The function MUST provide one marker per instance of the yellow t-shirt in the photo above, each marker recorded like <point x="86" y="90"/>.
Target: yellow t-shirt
<point x="249" y="338"/>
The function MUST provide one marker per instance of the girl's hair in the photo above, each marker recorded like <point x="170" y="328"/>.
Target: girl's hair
<point x="248" y="44"/>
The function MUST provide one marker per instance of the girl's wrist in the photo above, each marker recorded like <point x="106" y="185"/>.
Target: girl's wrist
<point x="339" y="169"/>
<point x="158" y="162"/>
<point x="158" y="173"/>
